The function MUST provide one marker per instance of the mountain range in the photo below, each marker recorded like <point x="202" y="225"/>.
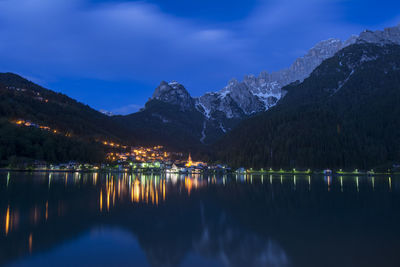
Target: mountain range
<point x="222" y="110"/>
<point x="241" y="123"/>
<point x="345" y="115"/>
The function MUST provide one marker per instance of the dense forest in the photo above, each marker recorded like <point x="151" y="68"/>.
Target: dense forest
<point x="21" y="145"/>
<point x="345" y="115"/>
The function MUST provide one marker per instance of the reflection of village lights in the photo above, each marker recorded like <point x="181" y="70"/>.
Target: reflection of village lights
<point x="101" y="200"/>
<point x="95" y="178"/>
<point x="132" y="193"/>
<point x="188" y="185"/>
<point x="35" y="215"/>
<point x="358" y="189"/>
<point x="163" y="190"/>
<point x="142" y="191"/>
<point x="373" y="183"/>
<point x="108" y="200"/>
<point x="50" y="175"/>
<point x="128" y="188"/>
<point x="47" y="210"/>
<point x="119" y="188"/>
<point x="147" y="193"/>
<point x="30" y="242"/>
<point x="113" y="196"/>
<point x="151" y="194"/>
<point x="7" y="224"/>
<point x="136" y="191"/>
<point x="329" y="183"/>
<point x="341" y="183"/>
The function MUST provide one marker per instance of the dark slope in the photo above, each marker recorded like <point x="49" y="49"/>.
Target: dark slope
<point x="161" y="123"/>
<point x="22" y="99"/>
<point x="174" y="119"/>
<point x="21" y="145"/>
<point x="85" y="127"/>
<point x="345" y="115"/>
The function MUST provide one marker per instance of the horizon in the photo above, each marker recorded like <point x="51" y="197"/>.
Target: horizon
<point x="114" y="54"/>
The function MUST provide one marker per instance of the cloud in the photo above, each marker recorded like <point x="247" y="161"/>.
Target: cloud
<point x="125" y="40"/>
<point x="115" y="40"/>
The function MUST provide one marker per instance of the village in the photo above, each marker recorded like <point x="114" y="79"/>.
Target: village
<point x="153" y="159"/>
<point x="138" y="160"/>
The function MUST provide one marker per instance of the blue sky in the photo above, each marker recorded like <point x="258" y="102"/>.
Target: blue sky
<point x="112" y="54"/>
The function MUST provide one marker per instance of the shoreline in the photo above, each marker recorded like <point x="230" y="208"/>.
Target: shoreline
<point x="206" y="172"/>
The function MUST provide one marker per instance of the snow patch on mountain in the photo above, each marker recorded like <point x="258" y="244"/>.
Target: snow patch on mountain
<point x="222" y="127"/>
<point x="203" y="132"/>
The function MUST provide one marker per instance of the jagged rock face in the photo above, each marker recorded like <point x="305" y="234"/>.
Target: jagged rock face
<point x="388" y="35"/>
<point x="235" y="100"/>
<point x="303" y="67"/>
<point x="257" y="94"/>
<point x="174" y="93"/>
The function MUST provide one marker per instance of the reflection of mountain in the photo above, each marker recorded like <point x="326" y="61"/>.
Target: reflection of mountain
<point x="236" y="223"/>
<point x="225" y="240"/>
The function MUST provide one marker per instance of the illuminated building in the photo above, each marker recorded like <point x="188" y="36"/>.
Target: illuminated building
<point x="191" y="163"/>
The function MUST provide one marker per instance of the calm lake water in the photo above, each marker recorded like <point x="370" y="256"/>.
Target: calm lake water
<point x="73" y="219"/>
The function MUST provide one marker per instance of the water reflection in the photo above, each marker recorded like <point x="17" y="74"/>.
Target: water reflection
<point x="234" y="220"/>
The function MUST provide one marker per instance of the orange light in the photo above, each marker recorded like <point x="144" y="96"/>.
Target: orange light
<point x="30" y="243"/>
<point x="7" y="220"/>
<point x="47" y="210"/>
<point x="101" y="200"/>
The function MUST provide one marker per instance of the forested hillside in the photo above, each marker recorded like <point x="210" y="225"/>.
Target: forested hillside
<point x="345" y="115"/>
<point x="19" y="145"/>
<point x="79" y="128"/>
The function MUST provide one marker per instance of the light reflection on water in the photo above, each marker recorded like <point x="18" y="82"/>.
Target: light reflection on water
<point x="231" y="220"/>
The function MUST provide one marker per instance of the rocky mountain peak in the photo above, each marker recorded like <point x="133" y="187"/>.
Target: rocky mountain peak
<point x="255" y="94"/>
<point x="174" y="93"/>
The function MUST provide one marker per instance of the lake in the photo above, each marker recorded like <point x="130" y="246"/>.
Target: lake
<point x="86" y="219"/>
